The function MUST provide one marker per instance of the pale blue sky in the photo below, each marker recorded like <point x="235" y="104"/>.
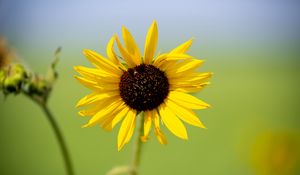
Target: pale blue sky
<point x="78" y="24"/>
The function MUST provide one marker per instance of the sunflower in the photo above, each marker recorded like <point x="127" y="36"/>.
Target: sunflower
<point x="159" y="88"/>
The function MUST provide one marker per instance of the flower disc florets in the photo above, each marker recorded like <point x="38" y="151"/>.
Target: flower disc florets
<point x="144" y="87"/>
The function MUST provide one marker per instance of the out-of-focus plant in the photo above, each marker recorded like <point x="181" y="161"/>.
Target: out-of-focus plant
<point x="277" y="153"/>
<point x="12" y="78"/>
<point x="16" y="79"/>
<point x="6" y="54"/>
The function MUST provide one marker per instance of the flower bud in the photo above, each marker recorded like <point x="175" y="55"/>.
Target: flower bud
<point x="12" y="85"/>
<point x="12" y="78"/>
<point x="19" y="70"/>
<point x="42" y="86"/>
<point x="38" y="86"/>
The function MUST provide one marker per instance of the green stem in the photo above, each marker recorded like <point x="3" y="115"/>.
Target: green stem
<point x="60" y="139"/>
<point x="137" y="149"/>
<point x="137" y="152"/>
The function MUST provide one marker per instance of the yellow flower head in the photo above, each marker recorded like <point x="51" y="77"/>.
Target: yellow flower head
<point x="158" y="87"/>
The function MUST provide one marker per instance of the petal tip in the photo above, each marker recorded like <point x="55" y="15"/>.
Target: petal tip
<point x="185" y="137"/>
<point x="78" y="104"/>
<point x="154" y="25"/>
<point x="120" y="147"/>
<point x="85" y="51"/>
<point x="81" y="113"/>
<point x="154" y="22"/>
<point x="75" y="67"/>
<point x="84" y="126"/>
<point x="191" y="40"/>
<point x="124" y="29"/>
<point x="144" y="138"/>
<point x="200" y="125"/>
<point x="77" y="78"/>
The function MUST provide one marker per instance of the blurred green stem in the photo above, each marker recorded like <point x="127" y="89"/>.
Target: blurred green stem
<point x="60" y="139"/>
<point x="137" y="152"/>
<point x="138" y="148"/>
<point x="42" y="102"/>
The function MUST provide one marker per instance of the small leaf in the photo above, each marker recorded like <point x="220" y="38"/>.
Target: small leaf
<point x="52" y="73"/>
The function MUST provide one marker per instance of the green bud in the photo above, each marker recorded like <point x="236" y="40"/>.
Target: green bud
<point x="12" y="78"/>
<point x="42" y="86"/>
<point x="38" y="86"/>
<point x="18" y="69"/>
<point x="12" y="85"/>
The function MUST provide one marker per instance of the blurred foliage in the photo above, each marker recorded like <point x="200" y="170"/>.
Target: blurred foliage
<point x="14" y="79"/>
<point x="277" y="153"/>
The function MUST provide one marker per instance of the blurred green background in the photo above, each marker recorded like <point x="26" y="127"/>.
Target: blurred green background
<point x="251" y="46"/>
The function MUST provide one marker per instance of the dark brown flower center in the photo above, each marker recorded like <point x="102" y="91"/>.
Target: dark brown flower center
<point x="144" y="87"/>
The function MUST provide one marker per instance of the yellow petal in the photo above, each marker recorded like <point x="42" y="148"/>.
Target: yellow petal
<point x="107" y="87"/>
<point x="92" y="73"/>
<point x="182" y="48"/>
<point x="189" y="83"/>
<point x="90" y="111"/>
<point x="172" y="122"/>
<point x="160" y="59"/>
<point x="186" y="65"/>
<point x="201" y="77"/>
<point x="159" y="134"/>
<point x="192" y="78"/>
<point x="176" y="54"/>
<point x="111" y="53"/>
<point x="177" y="57"/>
<point x="187" y="100"/>
<point x="95" y="97"/>
<point x="126" y="56"/>
<point x="109" y="124"/>
<point x="184" y="114"/>
<point x="93" y="110"/>
<point x="126" y="129"/>
<point x="102" y="63"/>
<point x="151" y="43"/>
<point x="85" y="99"/>
<point x="167" y="65"/>
<point x="165" y="58"/>
<point x="104" y="113"/>
<point x="97" y="75"/>
<point x="187" y="87"/>
<point x="147" y="124"/>
<point x="131" y="46"/>
<point x="88" y="83"/>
